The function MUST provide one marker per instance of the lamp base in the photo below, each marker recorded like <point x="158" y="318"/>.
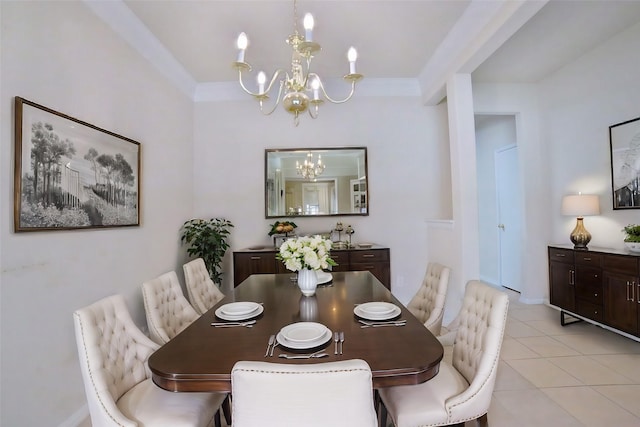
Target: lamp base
<point x="580" y="237"/>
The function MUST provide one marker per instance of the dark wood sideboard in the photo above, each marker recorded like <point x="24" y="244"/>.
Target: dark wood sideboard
<point x="263" y="261"/>
<point x="598" y="285"/>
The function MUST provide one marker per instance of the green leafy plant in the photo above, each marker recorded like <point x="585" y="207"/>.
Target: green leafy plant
<point x="207" y="239"/>
<point x="632" y="233"/>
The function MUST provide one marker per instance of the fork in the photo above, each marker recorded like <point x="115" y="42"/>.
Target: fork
<point x="248" y="324"/>
<point x="336" y="338"/>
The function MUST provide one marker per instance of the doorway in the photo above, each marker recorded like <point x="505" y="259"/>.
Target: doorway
<point x="499" y="201"/>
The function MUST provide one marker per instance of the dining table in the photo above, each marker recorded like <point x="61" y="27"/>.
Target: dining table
<point x="201" y="357"/>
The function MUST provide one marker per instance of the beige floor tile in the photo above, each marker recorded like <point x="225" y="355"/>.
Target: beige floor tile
<point x="535" y="312"/>
<point x="553" y="327"/>
<point x="513" y="349"/>
<point x="509" y="379"/>
<point x="627" y="396"/>
<point x="607" y="342"/>
<point x="624" y="364"/>
<point x="518" y="329"/>
<point x="533" y="408"/>
<point x="542" y="373"/>
<point x="591" y="407"/>
<point x="547" y="346"/>
<point x="589" y="371"/>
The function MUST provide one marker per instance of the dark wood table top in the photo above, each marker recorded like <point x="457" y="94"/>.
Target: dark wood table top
<point x="201" y="357"/>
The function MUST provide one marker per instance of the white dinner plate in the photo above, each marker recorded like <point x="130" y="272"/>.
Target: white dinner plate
<point x="303" y="335"/>
<point x="239" y="308"/>
<point x="324" y="277"/>
<point x="235" y="313"/>
<point x="377" y="310"/>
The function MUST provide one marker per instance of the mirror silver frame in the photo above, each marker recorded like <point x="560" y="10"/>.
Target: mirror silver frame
<point x="342" y="189"/>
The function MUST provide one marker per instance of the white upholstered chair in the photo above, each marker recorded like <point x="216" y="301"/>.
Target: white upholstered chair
<point x="202" y="292"/>
<point x="336" y="394"/>
<point x="168" y="311"/>
<point x="461" y="391"/>
<point x="428" y="302"/>
<point x="113" y="355"/>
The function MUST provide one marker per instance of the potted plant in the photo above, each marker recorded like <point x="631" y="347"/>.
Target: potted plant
<point x="632" y="237"/>
<point x="207" y="239"/>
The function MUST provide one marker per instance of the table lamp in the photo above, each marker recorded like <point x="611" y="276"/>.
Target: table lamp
<point x="580" y="205"/>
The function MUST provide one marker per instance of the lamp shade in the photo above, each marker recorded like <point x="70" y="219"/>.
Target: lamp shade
<point x="580" y="205"/>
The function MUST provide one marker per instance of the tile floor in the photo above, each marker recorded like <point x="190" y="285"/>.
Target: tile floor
<point x="578" y="375"/>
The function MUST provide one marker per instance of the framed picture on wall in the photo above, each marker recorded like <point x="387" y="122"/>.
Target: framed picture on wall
<point x="625" y="164"/>
<point x="69" y="174"/>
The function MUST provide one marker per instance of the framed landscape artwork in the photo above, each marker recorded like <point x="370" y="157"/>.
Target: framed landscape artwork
<point x="70" y="174"/>
<point x="625" y="164"/>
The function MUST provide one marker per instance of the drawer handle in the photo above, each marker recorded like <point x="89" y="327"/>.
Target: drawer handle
<point x="595" y="275"/>
<point x="572" y="279"/>
<point x="560" y="255"/>
<point x="255" y="258"/>
<point x="595" y="295"/>
<point x="368" y="255"/>
<point x="586" y="259"/>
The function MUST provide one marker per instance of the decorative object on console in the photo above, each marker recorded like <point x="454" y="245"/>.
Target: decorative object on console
<point x="632" y="238"/>
<point x="580" y="205"/>
<point x="301" y="81"/>
<point x="306" y="255"/>
<point x="280" y="231"/>
<point x="624" y="140"/>
<point x="207" y="239"/>
<point x="349" y="232"/>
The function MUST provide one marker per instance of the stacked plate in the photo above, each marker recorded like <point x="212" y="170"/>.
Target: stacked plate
<point x="239" y="311"/>
<point x="377" y="310"/>
<point x="323" y="277"/>
<point x="304" y="335"/>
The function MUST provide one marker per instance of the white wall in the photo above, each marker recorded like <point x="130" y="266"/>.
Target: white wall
<point x="60" y="55"/>
<point x="578" y="105"/>
<point x="407" y="157"/>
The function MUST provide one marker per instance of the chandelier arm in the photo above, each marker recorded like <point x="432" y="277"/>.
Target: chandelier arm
<point x="276" y="74"/>
<point x="275" y="105"/>
<point x="324" y="92"/>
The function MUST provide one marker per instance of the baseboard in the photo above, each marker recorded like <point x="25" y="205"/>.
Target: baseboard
<point x="80" y="418"/>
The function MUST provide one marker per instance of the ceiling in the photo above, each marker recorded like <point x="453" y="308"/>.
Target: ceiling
<point x="423" y="39"/>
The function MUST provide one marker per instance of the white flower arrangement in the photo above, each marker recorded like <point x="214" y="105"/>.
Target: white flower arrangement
<point x="309" y="252"/>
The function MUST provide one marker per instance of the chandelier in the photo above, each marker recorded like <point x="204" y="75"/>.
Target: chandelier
<point x="299" y="91"/>
<point x="309" y="169"/>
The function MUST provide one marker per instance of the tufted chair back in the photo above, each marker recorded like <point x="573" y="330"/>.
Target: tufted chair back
<point x="339" y="394"/>
<point x="428" y="303"/>
<point x="476" y="349"/>
<point x="113" y="354"/>
<point x="168" y="311"/>
<point x="202" y="292"/>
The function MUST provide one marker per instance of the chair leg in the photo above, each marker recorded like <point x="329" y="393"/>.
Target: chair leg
<point x="483" y="421"/>
<point x="382" y="417"/>
<point x="226" y="409"/>
<point x="216" y="419"/>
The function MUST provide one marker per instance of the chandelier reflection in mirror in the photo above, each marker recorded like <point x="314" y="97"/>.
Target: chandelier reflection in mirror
<point x="310" y="169"/>
<point x="300" y="90"/>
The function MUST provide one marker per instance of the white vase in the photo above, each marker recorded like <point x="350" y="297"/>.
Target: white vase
<point x="307" y="282"/>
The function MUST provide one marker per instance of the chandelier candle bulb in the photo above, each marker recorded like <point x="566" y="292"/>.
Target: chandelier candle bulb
<point x="261" y="79"/>
<point x="352" y="55"/>
<point x="315" y="85"/>
<point x="242" y="46"/>
<point x="308" y="27"/>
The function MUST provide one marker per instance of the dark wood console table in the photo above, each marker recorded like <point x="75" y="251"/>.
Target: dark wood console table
<point x="263" y="261"/>
<point x="599" y="285"/>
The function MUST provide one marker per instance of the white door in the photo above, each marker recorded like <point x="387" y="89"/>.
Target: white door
<point x="509" y="225"/>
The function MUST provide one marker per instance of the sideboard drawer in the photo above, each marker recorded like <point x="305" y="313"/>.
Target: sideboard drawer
<point x="561" y="255"/>
<point x="588" y="258"/>
<point x="377" y="255"/>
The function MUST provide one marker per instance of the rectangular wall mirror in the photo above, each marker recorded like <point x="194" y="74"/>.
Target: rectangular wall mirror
<point x="316" y="182"/>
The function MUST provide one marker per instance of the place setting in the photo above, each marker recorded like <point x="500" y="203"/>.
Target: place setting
<point x="305" y="340"/>
<point x="238" y="314"/>
<point x="378" y="314"/>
